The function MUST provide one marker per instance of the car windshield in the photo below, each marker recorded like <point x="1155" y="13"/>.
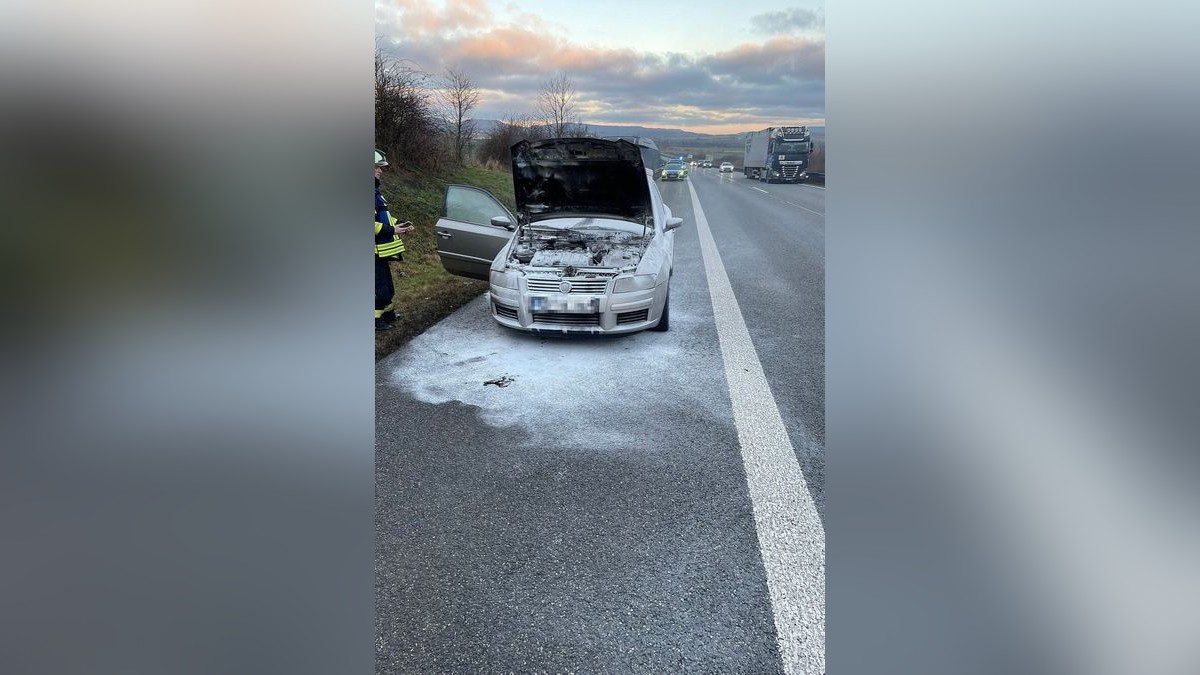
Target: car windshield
<point x="675" y="166"/>
<point x="797" y="148"/>
<point x="571" y="224"/>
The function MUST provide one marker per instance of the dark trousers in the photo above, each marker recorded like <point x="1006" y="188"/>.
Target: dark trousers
<point x="385" y="291"/>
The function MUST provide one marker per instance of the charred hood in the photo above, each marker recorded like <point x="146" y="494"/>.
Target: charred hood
<point x="580" y="176"/>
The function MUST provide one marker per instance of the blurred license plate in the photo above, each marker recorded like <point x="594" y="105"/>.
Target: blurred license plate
<point x="550" y="303"/>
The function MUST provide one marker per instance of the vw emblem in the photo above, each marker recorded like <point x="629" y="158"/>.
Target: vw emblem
<point x="565" y="287"/>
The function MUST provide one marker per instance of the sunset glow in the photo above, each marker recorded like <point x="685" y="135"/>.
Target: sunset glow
<point x="708" y="67"/>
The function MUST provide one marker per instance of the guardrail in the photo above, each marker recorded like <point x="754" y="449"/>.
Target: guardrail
<point x="816" y="177"/>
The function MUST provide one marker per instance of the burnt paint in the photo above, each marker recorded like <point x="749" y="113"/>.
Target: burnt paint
<point x="576" y="176"/>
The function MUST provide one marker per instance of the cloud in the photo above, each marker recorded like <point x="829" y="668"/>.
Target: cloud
<point x="754" y="84"/>
<point x="779" y="59"/>
<point x="422" y="18"/>
<point x="788" y="21"/>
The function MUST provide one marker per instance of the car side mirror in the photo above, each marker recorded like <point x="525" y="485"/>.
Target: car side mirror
<point x="672" y="223"/>
<point x="503" y="221"/>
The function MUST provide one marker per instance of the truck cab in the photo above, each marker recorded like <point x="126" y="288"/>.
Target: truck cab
<point x="778" y="154"/>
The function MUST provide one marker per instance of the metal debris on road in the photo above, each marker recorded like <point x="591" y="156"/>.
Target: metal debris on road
<point x="502" y="381"/>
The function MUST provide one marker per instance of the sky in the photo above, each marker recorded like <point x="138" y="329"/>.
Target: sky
<point x="710" y="66"/>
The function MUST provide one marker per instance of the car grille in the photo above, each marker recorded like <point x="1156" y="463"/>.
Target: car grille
<point x="633" y="317"/>
<point x="506" y="312"/>
<point x="790" y="171"/>
<point x="578" y="285"/>
<point x="564" y="319"/>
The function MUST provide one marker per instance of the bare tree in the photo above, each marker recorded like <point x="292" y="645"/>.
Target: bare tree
<point x="577" y="130"/>
<point x="406" y="126"/>
<point x="459" y="95"/>
<point x="556" y="105"/>
<point x="496" y="146"/>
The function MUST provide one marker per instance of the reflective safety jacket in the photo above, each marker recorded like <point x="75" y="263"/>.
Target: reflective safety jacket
<point x="388" y="244"/>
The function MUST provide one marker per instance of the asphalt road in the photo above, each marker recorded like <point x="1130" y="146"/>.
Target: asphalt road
<point x="622" y="505"/>
<point x="772" y="240"/>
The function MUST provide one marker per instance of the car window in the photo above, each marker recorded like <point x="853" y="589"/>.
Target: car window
<point x="471" y="205"/>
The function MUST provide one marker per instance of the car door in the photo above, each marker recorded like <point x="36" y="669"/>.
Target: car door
<point x="662" y="213"/>
<point x="468" y="238"/>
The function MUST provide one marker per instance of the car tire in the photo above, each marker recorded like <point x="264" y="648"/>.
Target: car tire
<point x="664" y="321"/>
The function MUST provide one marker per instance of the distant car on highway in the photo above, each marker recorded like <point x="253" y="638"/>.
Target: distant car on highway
<point x="706" y="165"/>
<point x="674" y="171"/>
<point x="726" y="167"/>
<point x="591" y="247"/>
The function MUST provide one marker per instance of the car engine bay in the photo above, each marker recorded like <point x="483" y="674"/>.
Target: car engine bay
<point x="559" y="248"/>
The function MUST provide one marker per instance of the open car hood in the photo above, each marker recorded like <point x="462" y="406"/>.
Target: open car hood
<point x="580" y="176"/>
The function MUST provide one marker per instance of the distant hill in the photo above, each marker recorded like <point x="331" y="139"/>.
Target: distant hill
<point x="486" y="126"/>
<point x="659" y="134"/>
<point x="652" y="132"/>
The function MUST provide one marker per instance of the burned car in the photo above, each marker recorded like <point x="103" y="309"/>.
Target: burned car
<point x="589" y="251"/>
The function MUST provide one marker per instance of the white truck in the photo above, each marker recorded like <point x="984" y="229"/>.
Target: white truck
<point x="778" y="154"/>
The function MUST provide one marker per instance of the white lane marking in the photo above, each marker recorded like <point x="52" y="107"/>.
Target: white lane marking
<point x="819" y="213"/>
<point x="815" y="187"/>
<point x="790" y="535"/>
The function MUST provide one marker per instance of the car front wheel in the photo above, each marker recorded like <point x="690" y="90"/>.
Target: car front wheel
<point x="664" y="321"/>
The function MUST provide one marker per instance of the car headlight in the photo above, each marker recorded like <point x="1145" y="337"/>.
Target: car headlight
<point x="637" y="282"/>
<point x="505" y="280"/>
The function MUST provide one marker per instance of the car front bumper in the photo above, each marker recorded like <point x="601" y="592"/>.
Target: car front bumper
<point x="617" y="312"/>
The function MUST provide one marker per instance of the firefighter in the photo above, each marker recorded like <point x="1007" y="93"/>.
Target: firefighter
<point x="388" y="247"/>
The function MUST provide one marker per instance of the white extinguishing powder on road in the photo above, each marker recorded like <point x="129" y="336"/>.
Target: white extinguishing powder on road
<point x="572" y="391"/>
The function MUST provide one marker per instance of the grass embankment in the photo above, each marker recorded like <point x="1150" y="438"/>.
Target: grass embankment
<point x="425" y="292"/>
